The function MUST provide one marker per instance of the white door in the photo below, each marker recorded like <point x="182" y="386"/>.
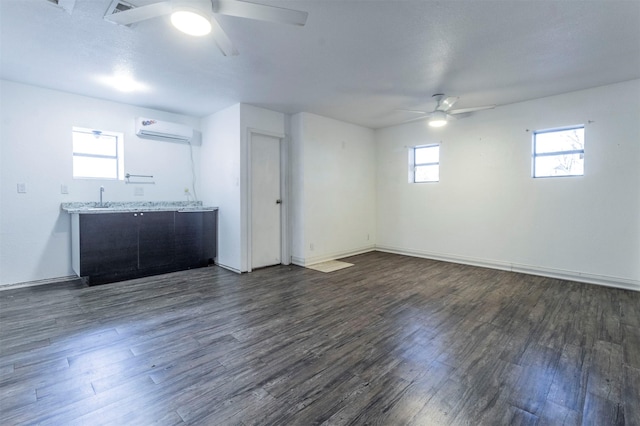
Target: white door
<point x="265" y="201"/>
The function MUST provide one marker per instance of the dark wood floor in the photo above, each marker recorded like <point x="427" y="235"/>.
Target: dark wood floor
<point x="391" y="340"/>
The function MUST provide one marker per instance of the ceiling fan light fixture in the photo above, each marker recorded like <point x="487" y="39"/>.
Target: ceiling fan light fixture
<point x="438" y="119"/>
<point x="190" y="22"/>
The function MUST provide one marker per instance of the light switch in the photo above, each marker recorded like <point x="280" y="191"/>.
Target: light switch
<point x="64" y="189"/>
<point x="22" y="188"/>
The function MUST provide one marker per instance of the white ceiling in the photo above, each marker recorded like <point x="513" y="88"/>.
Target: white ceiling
<point x="357" y="61"/>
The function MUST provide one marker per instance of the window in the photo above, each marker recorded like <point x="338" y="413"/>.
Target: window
<point x="425" y="163"/>
<point x="97" y="154"/>
<point x="558" y="152"/>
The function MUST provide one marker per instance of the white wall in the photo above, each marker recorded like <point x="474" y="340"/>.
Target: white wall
<point x="487" y="209"/>
<point x="348" y="183"/>
<point x="220" y="179"/>
<point x="333" y="189"/>
<point x="36" y="150"/>
<point x="296" y="189"/>
<point x="225" y="172"/>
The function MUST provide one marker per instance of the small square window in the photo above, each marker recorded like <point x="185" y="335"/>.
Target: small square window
<point x="558" y="152"/>
<point x="97" y="154"/>
<point x="424" y="163"/>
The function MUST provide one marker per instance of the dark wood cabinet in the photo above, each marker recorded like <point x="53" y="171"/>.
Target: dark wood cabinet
<point x="110" y="247"/>
<point x="108" y="242"/>
<point x="196" y="236"/>
<point x="156" y="239"/>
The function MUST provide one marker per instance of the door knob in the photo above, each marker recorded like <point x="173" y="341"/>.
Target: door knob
<point x="278" y="201"/>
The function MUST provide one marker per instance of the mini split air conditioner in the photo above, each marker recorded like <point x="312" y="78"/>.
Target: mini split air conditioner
<point x="163" y="130"/>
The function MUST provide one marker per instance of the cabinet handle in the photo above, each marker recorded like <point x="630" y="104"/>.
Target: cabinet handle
<point x="141" y="214"/>
<point x="135" y="214"/>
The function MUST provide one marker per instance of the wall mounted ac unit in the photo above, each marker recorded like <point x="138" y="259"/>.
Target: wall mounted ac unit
<point x="163" y="130"/>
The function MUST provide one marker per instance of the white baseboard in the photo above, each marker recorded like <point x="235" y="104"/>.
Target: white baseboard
<point x="37" y="282"/>
<point x="604" y="280"/>
<point x="300" y="261"/>
<point x="229" y="268"/>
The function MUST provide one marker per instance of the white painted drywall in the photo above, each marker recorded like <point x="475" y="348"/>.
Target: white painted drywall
<point x="487" y="209"/>
<point x="296" y="189"/>
<point x="36" y="149"/>
<point x="348" y="182"/>
<point x="225" y="171"/>
<point x="220" y="180"/>
<point x="333" y="188"/>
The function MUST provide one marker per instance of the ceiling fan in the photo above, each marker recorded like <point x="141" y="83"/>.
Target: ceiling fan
<point x="197" y="17"/>
<point x="443" y="112"/>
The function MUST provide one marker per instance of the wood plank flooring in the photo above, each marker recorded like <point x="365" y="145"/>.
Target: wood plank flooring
<point x="391" y="340"/>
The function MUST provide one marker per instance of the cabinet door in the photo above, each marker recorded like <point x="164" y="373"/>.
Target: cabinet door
<point x="189" y="239"/>
<point x="156" y="235"/>
<point x="196" y="238"/>
<point x="108" y="243"/>
<point x="210" y="232"/>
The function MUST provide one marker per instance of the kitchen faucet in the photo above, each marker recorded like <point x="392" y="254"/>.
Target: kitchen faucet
<point x="101" y="191"/>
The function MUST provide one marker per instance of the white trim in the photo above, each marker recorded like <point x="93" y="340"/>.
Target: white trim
<point x="331" y="256"/>
<point x="604" y="280"/>
<point x="75" y="243"/>
<point x="229" y="268"/>
<point x="284" y="185"/>
<point x="38" y="282"/>
<point x="285" y="255"/>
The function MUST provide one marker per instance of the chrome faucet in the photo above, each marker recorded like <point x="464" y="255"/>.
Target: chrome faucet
<point x="101" y="192"/>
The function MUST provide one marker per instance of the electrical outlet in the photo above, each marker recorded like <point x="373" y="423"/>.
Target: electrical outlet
<point x="138" y="190"/>
<point x="22" y="188"/>
<point x="311" y="246"/>
<point x="64" y="189"/>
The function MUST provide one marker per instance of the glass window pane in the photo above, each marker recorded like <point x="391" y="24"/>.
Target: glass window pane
<point x="88" y="143"/>
<point x="561" y="140"/>
<point x="429" y="154"/>
<point x="92" y="167"/>
<point x="559" y="165"/>
<point x="428" y="173"/>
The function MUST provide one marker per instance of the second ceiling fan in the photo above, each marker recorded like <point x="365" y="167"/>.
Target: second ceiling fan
<point x="443" y="112"/>
<point x="197" y="17"/>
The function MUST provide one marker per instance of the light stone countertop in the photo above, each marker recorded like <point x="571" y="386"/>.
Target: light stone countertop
<point x="134" y="206"/>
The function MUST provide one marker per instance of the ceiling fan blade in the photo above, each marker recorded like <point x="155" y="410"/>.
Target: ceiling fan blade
<point x="424" y="117"/>
<point x="243" y="9"/>
<point x="414" y="111"/>
<point x="142" y="13"/>
<point x="446" y="103"/>
<point x="464" y="110"/>
<point x="222" y="40"/>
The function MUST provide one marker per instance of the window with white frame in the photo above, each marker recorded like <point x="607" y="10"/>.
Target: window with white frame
<point x="425" y="163"/>
<point x="97" y="154"/>
<point x="558" y="152"/>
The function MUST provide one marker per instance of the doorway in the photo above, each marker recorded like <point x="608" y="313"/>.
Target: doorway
<point x="266" y="201"/>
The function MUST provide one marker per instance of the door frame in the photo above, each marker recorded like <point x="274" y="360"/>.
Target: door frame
<point x="285" y="254"/>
